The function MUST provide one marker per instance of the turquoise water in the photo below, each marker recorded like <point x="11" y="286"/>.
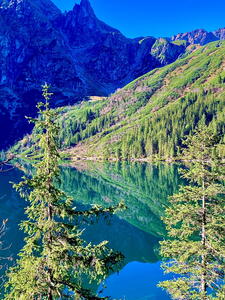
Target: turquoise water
<point x="135" y="232"/>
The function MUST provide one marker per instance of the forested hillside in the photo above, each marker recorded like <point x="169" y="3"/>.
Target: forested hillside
<point x="150" y="117"/>
<point x="75" y="52"/>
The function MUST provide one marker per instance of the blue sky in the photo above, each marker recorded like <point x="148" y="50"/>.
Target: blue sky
<point x="156" y="17"/>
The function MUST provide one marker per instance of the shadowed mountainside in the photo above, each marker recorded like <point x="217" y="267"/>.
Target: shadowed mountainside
<point x="75" y="52"/>
<point x="150" y="116"/>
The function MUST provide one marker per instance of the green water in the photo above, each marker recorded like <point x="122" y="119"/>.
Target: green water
<point x="135" y="232"/>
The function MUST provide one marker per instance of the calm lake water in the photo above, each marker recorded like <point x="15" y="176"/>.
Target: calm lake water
<point x="135" y="232"/>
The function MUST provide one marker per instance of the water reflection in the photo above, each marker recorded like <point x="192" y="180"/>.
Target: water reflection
<point x="144" y="188"/>
<point x="135" y="232"/>
<point x="12" y="208"/>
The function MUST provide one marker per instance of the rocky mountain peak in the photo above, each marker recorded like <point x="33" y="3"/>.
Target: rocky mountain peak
<point x="83" y="27"/>
<point x="86" y="8"/>
<point x="76" y="53"/>
<point x="83" y="12"/>
<point x="220" y="33"/>
<point x="198" y="36"/>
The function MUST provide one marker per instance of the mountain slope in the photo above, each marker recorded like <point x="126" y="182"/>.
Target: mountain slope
<point x="74" y="52"/>
<point x="29" y="50"/>
<point x="150" y="116"/>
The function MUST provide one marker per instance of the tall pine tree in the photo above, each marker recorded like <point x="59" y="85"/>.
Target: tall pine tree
<point x="195" y="222"/>
<point x="55" y="259"/>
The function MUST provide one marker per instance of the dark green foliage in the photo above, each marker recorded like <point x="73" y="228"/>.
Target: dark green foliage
<point x="150" y="117"/>
<point x="196" y="224"/>
<point x="55" y="259"/>
<point x="76" y="124"/>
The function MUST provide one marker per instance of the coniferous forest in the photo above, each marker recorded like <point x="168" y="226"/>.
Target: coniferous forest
<point x="151" y="116"/>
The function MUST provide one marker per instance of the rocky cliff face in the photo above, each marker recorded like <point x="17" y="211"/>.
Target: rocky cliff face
<point x="200" y="36"/>
<point x="106" y="57"/>
<point x="74" y="52"/>
<point x="220" y="33"/>
<point x="32" y="51"/>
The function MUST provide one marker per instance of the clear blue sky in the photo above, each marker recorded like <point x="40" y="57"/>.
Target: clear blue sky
<point x="156" y="17"/>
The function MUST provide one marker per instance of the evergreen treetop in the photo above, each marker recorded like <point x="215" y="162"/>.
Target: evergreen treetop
<point x="55" y="259"/>
<point x="195" y="222"/>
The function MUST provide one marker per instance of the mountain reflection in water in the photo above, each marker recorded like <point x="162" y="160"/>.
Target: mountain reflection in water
<point x="135" y="232"/>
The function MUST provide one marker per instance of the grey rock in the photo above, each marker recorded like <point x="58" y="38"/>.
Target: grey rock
<point x="220" y="33"/>
<point x="75" y="52"/>
<point x="200" y="36"/>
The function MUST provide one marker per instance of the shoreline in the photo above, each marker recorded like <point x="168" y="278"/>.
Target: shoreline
<point x="147" y="159"/>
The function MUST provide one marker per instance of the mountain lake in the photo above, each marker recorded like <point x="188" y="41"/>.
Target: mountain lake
<point x="135" y="232"/>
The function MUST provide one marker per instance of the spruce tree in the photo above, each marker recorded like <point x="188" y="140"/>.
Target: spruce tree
<point x="55" y="259"/>
<point x="195" y="249"/>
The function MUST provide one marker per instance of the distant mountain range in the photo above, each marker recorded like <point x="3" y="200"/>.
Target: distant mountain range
<point x="76" y="53"/>
<point x="200" y="36"/>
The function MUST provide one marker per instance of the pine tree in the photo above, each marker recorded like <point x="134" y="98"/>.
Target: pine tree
<point x="55" y="258"/>
<point x="196" y="225"/>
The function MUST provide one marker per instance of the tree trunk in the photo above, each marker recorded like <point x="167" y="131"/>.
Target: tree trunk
<point x="203" y="258"/>
<point x="50" y="217"/>
<point x="50" y="296"/>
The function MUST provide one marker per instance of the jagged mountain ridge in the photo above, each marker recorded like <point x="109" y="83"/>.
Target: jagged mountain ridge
<point x="75" y="52"/>
<point x="200" y="36"/>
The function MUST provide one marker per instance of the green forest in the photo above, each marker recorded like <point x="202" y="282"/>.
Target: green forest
<point x="151" y="116"/>
<point x="112" y="159"/>
<point x="56" y="261"/>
